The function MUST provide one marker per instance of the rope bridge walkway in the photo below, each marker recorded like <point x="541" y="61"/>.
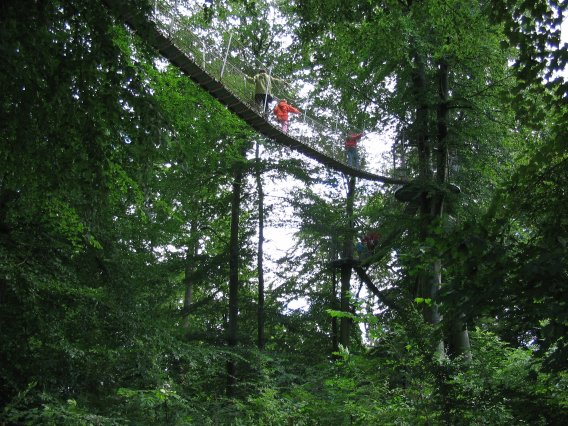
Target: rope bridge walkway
<point x="216" y="62"/>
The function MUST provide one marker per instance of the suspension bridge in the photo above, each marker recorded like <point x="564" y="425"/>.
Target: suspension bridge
<point x="217" y="63"/>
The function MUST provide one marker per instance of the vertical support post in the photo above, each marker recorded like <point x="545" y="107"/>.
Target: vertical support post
<point x="203" y="44"/>
<point x="226" y="54"/>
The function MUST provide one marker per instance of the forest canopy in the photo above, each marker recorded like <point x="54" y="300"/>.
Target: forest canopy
<point x="144" y="276"/>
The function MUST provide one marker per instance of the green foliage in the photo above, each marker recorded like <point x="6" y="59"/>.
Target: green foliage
<point x="49" y="411"/>
<point x="504" y="386"/>
<point x="115" y="191"/>
<point x="512" y="262"/>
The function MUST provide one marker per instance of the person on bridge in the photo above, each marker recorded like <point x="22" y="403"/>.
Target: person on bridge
<point x="281" y="112"/>
<point x="371" y="240"/>
<point x="263" y="89"/>
<point x="351" y="148"/>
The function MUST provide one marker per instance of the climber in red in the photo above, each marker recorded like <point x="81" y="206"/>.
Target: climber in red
<point x="351" y="147"/>
<point x="281" y="112"/>
<point x="371" y="240"/>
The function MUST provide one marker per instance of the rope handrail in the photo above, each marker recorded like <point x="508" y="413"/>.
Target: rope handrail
<point x="226" y="64"/>
<point x="221" y="62"/>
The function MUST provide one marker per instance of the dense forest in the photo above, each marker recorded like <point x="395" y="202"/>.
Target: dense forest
<point x="143" y="280"/>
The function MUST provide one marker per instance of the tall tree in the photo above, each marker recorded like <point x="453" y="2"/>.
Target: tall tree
<point x="260" y="249"/>
<point x="423" y="75"/>
<point x="346" y="267"/>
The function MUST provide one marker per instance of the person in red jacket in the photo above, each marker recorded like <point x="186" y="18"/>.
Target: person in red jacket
<point x="371" y="240"/>
<point x="281" y="112"/>
<point x="351" y="147"/>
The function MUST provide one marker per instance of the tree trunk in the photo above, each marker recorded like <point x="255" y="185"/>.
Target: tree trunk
<point x="260" y="250"/>
<point x="428" y="281"/>
<point x="459" y="337"/>
<point x="421" y="127"/>
<point x="189" y="273"/>
<point x="345" y="329"/>
<point x="188" y="295"/>
<point x="334" y="325"/>
<point x="458" y="344"/>
<point x="234" y="255"/>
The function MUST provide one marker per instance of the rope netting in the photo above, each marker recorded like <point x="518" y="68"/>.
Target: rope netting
<point x="220" y="54"/>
